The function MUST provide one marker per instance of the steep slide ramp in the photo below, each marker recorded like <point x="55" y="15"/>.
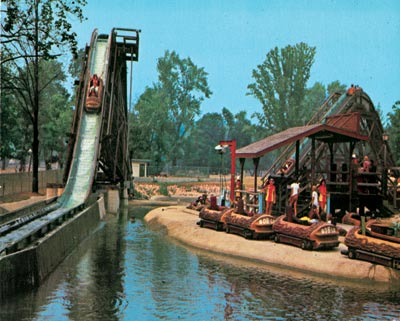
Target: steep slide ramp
<point x="83" y="167"/>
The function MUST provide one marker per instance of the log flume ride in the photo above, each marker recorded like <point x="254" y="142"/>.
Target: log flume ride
<point x="97" y="157"/>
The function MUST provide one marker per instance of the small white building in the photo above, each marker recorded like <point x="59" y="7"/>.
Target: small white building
<point x="139" y="167"/>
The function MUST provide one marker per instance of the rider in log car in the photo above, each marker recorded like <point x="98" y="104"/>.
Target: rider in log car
<point x="94" y="85"/>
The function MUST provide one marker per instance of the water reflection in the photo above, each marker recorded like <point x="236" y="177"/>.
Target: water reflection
<point x="98" y="293"/>
<point x="257" y="295"/>
<point x="128" y="272"/>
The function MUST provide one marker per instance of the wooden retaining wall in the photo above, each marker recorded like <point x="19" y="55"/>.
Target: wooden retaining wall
<point x="13" y="183"/>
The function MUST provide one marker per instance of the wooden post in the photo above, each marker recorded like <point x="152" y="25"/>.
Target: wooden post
<point x="256" y="161"/>
<point x="312" y="161"/>
<point x="232" y="145"/>
<point x="297" y="160"/>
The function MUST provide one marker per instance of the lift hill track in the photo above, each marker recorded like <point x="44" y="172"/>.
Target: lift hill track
<point x="332" y="160"/>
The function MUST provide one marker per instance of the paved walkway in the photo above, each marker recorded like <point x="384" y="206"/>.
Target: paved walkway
<point x="180" y="224"/>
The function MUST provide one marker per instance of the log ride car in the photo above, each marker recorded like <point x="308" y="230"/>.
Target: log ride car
<point x="308" y="236"/>
<point x="351" y="218"/>
<point x="379" y="244"/>
<point x="93" y="96"/>
<point x="257" y="226"/>
<point x="214" y="219"/>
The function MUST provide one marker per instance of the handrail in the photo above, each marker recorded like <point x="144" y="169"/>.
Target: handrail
<point x="393" y="187"/>
<point x="318" y="116"/>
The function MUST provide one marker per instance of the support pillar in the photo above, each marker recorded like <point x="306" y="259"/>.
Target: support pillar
<point x="256" y="161"/>
<point x="297" y="160"/>
<point x="113" y="201"/>
<point x="312" y="161"/>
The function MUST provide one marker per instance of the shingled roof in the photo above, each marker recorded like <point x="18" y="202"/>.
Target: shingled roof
<point x="322" y="132"/>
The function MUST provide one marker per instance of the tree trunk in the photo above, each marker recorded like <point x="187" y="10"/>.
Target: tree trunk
<point x="35" y="142"/>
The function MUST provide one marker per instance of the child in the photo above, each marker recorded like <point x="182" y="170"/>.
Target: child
<point x="314" y="213"/>
<point x="294" y="196"/>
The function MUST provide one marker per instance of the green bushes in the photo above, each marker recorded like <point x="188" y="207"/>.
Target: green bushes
<point x="163" y="189"/>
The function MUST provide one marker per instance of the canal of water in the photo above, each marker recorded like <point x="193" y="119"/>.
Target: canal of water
<point x="125" y="271"/>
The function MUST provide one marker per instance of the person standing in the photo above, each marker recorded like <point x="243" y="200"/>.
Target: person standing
<point x="238" y="187"/>
<point x="351" y="90"/>
<point x="294" y="196"/>
<point x="354" y="172"/>
<point x="314" y="213"/>
<point x="270" y="196"/>
<point x="366" y="164"/>
<point x="322" y="195"/>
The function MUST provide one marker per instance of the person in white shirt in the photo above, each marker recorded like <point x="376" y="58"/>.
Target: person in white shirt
<point x="314" y="213"/>
<point x="294" y="196"/>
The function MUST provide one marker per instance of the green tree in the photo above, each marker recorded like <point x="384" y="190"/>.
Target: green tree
<point x="336" y="87"/>
<point x="394" y="132"/>
<point x="148" y="124"/>
<point x="75" y="69"/>
<point x="184" y="86"/>
<point x="280" y="86"/>
<point x="378" y="109"/>
<point x="32" y="31"/>
<point x="12" y="123"/>
<point x="55" y="113"/>
<point x="317" y="94"/>
<point x="212" y="128"/>
<point x="199" y="145"/>
<point x="239" y="128"/>
<point x="313" y="99"/>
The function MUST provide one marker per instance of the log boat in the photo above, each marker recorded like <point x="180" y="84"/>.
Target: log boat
<point x="93" y="99"/>
<point x="312" y="236"/>
<point x="214" y="219"/>
<point x="257" y="226"/>
<point x="351" y="218"/>
<point x="380" y="244"/>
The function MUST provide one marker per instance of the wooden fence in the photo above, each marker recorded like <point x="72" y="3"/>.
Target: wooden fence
<point x="13" y="183"/>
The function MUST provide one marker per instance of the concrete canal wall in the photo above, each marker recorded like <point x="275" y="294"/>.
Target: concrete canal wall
<point x="31" y="266"/>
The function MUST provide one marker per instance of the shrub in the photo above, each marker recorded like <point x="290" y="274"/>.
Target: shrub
<point x="164" y="189"/>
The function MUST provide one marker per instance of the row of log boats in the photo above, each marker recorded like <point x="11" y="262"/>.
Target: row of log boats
<point x="377" y="242"/>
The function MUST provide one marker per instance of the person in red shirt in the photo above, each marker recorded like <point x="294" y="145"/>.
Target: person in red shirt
<point x="213" y="203"/>
<point x="270" y="196"/>
<point x="351" y="90"/>
<point x="322" y="195"/>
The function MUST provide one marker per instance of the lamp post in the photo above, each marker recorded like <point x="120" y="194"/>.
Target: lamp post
<point x="232" y="146"/>
<point x="220" y="149"/>
<point x="30" y="159"/>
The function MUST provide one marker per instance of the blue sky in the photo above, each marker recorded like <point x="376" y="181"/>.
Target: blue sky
<point x="357" y="41"/>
